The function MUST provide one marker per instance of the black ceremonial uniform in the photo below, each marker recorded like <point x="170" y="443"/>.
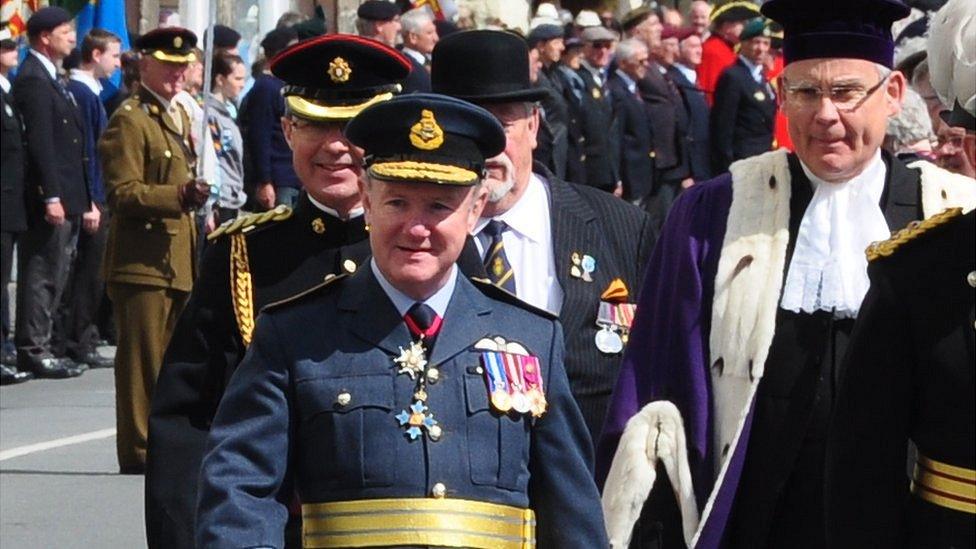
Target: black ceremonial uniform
<point x="909" y="375"/>
<point x="284" y="254"/>
<point x="602" y="143"/>
<point x="742" y="117"/>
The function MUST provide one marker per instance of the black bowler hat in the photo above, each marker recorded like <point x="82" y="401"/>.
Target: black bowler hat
<point x="224" y="37"/>
<point x="333" y="77"/>
<point x="852" y="29"/>
<point x="426" y="138"/>
<point x="169" y="44"/>
<point x="483" y="66"/>
<point x="6" y="37"/>
<point x="46" y="19"/>
<point x="377" y="10"/>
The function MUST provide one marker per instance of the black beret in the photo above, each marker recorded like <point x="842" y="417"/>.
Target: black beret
<point x="170" y="44"/>
<point x="335" y="76"/>
<point x="377" y="10"/>
<point x="427" y="138"/>
<point x="543" y="33"/>
<point x="46" y="19"/>
<point x="224" y="37"/>
<point x="277" y="40"/>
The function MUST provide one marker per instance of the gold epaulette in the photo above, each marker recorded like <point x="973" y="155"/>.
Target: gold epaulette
<point x="246" y="223"/>
<point x="885" y="248"/>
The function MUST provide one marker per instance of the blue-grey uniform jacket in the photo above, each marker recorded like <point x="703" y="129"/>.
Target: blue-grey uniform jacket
<point x="281" y="427"/>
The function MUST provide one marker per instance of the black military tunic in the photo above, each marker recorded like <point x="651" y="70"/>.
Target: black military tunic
<point x="910" y="375"/>
<point x="275" y="255"/>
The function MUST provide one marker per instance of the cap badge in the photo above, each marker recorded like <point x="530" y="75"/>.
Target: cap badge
<point x="178" y="42"/>
<point x="339" y="70"/>
<point x="426" y="134"/>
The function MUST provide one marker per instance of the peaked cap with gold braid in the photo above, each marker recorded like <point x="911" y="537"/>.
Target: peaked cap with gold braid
<point x="334" y="77"/>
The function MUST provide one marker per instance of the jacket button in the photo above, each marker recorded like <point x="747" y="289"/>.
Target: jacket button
<point x="435" y="433"/>
<point x="349" y="266"/>
<point x="74" y="141"/>
<point x="64" y="120"/>
<point x="971" y="279"/>
<point x="439" y="490"/>
<point x="167" y="154"/>
<point x="433" y="375"/>
<point x="148" y="226"/>
<point x="343" y="399"/>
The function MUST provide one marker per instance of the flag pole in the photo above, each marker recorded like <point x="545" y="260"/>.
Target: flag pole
<point x="205" y="137"/>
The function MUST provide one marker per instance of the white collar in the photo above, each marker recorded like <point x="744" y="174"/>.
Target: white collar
<point x="597" y="73"/>
<point x="523" y="217"/>
<point x="688" y="72"/>
<point x="419" y="57"/>
<point x="438" y="302"/>
<point x="828" y="271"/>
<point x="754" y="70"/>
<point x="628" y="81"/>
<point x="87" y="79"/>
<point x="52" y="69"/>
<point x="4" y="83"/>
<point x="355" y="212"/>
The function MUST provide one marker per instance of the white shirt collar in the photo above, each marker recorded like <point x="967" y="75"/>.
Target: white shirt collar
<point x="87" y="79"/>
<point x="403" y="302"/>
<point x="4" y="83"/>
<point x="597" y="73"/>
<point x="523" y="217"/>
<point x="688" y="72"/>
<point x="755" y="70"/>
<point x="419" y="57"/>
<point x="828" y="270"/>
<point x="355" y="212"/>
<point x="52" y="69"/>
<point x="628" y="81"/>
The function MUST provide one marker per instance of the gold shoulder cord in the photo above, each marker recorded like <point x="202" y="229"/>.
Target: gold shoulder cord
<point x="240" y="285"/>
<point x="885" y="248"/>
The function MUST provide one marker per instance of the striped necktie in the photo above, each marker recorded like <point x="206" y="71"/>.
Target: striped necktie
<point x="496" y="262"/>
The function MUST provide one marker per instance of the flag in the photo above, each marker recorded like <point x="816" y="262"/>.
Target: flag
<point x="103" y="14"/>
<point x="17" y="12"/>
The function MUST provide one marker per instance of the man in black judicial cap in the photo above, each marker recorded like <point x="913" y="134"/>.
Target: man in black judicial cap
<point x="225" y="38"/>
<point x="379" y="20"/>
<point x="56" y="192"/>
<point x="391" y="454"/>
<point x="564" y="248"/>
<point x="262" y="258"/>
<point x="761" y="415"/>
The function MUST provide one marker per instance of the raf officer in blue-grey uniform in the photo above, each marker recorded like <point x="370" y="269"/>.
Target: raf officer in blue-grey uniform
<point x="264" y="257"/>
<point x="405" y="404"/>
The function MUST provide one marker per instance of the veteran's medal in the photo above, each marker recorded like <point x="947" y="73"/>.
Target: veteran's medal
<point x="497" y="380"/>
<point x="533" y="384"/>
<point x="608" y="341"/>
<point x="412" y="360"/>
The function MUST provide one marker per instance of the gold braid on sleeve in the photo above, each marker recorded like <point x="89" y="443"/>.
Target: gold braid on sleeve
<point x="240" y="285"/>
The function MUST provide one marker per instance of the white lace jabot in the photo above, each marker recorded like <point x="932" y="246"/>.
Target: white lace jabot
<point x="828" y="271"/>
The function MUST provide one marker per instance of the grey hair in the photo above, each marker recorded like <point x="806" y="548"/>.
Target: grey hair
<point x="629" y="48"/>
<point x="415" y="20"/>
<point x="921" y="73"/>
<point x="883" y="71"/>
<point x="910" y="126"/>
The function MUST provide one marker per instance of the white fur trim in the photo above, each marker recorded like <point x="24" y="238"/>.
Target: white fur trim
<point x="943" y="189"/>
<point x="655" y="433"/>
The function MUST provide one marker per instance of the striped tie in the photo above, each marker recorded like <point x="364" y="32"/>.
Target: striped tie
<point x="496" y="262"/>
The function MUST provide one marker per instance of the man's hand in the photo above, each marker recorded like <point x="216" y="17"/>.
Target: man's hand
<point x="618" y="190"/>
<point x="194" y="193"/>
<point x="688" y="182"/>
<point x="265" y="195"/>
<point x="54" y="213"/>
<point x="91" y="219"/>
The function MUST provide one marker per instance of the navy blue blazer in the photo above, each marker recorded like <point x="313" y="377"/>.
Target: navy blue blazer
<point x="418" y="81"/>
<point x="278" y="429"/>
<point x="268" y="157"/>
<point x="13" y="211"/>
<point x="636" y="139"/>
<point x="697" y="136"/>
<point x="742" y="117"/>
<point x="93" y="113"/>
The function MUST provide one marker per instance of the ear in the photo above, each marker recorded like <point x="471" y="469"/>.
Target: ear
<point x="478" y="203"/>
<point x="895" y="92"/>
<point x="533" y="126"/>
<point x="287" y="128"/>
<point x="364" y="185"/>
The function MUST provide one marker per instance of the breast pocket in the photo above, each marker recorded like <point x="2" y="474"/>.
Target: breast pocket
<point x="498" y="443"/>
<point x="346" y="428"/>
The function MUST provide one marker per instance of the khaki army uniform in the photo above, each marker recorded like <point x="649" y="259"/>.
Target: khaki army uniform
<point x="149" y="261"/>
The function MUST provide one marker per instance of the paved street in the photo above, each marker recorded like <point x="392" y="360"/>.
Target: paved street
<point x="66" y="493"/>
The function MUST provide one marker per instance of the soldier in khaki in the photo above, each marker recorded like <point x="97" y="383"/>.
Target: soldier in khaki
<point x="148" y="163"/>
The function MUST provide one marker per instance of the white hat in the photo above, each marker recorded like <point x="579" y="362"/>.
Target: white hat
<point x="952" y="59"/>
<point x="587" y="18"/>
<point x="547" y="10"/>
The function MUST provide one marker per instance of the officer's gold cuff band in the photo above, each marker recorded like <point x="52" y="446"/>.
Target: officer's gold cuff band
<point x="315" y="111"/>
<point x="424" y="171"/>
<point x="417" y="521"/>
<point x="945" y="485"/>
